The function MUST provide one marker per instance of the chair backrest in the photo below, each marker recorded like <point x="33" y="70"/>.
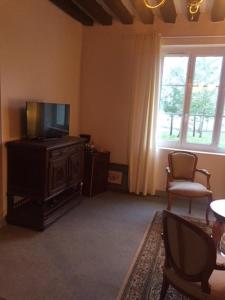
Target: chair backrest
<point x="182" y="165"/>
<point x="189" y="250"/>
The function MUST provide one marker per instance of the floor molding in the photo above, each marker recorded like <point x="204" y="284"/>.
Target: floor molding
<point x="161" y="193"/>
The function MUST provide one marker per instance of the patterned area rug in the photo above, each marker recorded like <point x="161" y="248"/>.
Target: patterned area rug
<point x="145" y="278"/>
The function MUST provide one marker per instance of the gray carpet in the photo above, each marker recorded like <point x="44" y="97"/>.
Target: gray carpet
<point x="85" y="255"/>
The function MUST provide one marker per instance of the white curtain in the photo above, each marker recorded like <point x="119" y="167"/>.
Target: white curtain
<point x="142" y="135"/>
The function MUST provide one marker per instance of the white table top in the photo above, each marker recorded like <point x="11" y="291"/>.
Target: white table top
<point x="218" y="206"/>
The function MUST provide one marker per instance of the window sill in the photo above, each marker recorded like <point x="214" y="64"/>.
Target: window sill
<point x="189" y="150"/>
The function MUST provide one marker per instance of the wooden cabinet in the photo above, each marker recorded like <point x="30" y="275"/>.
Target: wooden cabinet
<point x="96" y="172"/>
<point x="44" y="178"/>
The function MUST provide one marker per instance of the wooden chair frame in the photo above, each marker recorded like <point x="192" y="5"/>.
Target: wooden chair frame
<point x="170" y="178"/>
<point x="207" y="270"/>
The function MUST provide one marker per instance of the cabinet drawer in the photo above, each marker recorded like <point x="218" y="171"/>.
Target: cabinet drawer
<point x="54" y="154"/>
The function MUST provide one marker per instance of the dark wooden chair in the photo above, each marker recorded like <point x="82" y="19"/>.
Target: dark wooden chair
<point x="181" y="179"/>
<point x="190" y="260"/>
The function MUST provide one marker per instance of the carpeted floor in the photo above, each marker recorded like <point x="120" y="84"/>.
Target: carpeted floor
<point x="85" y="255"/>
<point x="145" y="277"/>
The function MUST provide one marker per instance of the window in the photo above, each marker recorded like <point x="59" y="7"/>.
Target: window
<point x="191" y="110"/>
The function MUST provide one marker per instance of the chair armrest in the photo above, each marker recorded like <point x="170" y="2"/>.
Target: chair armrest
<point x="169" y="177"/>
<point x="220" y="267"/>
<point x="207" y="174"/>
<point x="203" y="171"/>
<point x="168" y="171"/>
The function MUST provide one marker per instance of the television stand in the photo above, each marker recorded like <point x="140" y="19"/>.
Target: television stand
<point x="44" y="179"/>
<point x="47" y="138"/>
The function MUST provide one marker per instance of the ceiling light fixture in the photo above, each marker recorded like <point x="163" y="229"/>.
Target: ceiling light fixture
<point x="193" y="5"/>
<point x="156" y="4"/>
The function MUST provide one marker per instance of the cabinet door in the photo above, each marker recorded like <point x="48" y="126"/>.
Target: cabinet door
<point x="58" y="175"/>
<point x="75" y="165"/>
<point x="26" y="171"/>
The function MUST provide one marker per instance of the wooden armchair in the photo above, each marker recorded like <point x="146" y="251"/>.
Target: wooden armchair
<point x="180" y="179"/>
<point x="190" y="260"/>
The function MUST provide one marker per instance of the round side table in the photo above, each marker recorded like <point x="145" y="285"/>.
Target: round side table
<point x="218" y="208"/>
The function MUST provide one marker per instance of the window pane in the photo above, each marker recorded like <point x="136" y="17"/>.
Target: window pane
<point x="207" y="70"/>
<point x="203" y="99"/>
<point x="172" y="97"/>
<point x="222" y="132"/>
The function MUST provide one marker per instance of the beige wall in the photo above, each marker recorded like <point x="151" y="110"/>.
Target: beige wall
<point x="106" y="87"/>
<point x="40" y="55"/>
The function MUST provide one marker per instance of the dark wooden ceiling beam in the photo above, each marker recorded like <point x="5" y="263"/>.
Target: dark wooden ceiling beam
<point x="168" y="12"/>
<point x="118" y="8"/>
<point x="218" y="11"/>
<point x="69" y="7"/>
<point x="144" y="13"/>
<point x="95" y="10"/>
<point x="192" y="17"/>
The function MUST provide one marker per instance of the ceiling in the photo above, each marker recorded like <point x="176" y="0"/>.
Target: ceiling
<point x="105" y="12"/>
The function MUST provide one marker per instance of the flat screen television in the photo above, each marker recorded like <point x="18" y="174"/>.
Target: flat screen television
<point x="47" y="120"/>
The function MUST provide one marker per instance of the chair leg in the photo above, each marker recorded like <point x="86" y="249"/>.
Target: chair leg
<point x="170" y="200"/>
<point x="164" y="288"/>
<point x="190" y="203"/>
<point x="208" y="210"/>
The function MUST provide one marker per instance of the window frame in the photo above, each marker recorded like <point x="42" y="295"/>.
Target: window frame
<point x="192" y="52"/>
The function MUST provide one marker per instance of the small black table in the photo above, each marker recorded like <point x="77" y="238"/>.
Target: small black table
<point x="96" y="166"/>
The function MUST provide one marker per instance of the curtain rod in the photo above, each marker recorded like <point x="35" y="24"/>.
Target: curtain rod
<point x="173" y="36"/>
<point x="192" y="36"/>
<point x="132" y="35"/>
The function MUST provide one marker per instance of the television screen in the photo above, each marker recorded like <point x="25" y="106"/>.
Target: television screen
<point x="47" y="120"/>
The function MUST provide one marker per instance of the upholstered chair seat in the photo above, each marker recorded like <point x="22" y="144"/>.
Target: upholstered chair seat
<point x="189" y="189"/>
<point x="181" y="179"/>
